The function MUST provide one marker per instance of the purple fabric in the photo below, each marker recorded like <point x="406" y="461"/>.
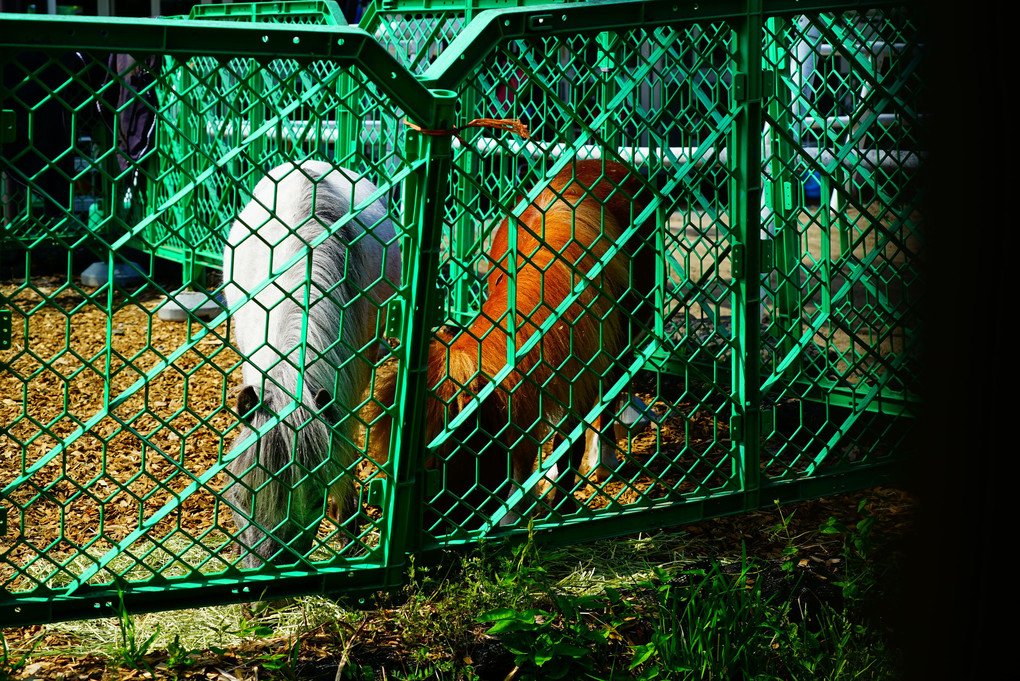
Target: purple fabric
<point x="136" y="107"/>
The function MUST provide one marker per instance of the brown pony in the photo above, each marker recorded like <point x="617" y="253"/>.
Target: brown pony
<point x="560" y="237"/>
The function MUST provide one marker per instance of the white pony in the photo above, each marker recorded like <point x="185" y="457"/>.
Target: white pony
<point x="279" y="484"/>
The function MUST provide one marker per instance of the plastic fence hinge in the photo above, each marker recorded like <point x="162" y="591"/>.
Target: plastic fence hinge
<point x="738" y="259"/>
<point x="6" y="329"/>
<point x="442" y="296"/>
<point x="779" y="196"/>
<point x="376" y="492"/>
<point x="737" y="427"/>
<point x="740" y="86"/>
<point x="7" y="126"/>
<point x="394" y="319"/>
<point x="767" y="256"/>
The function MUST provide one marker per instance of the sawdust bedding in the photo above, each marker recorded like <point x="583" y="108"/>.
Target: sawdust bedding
<point x="141" y="453"/>
<point x="127" y="461"/>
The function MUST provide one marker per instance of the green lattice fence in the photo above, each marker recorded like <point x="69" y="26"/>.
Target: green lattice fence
<point x="211" y="108"/>
<point x="767" y="330"/>
<point x="417" y="31"/>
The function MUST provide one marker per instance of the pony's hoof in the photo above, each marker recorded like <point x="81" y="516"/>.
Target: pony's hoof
<point x="600" y="474"/>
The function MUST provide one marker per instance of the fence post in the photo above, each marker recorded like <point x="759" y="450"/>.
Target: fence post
<point x="463" y="235"/>
<point x="783" y="183"/>
<point x="745" y="212"/>
<point x="426" y="189"/>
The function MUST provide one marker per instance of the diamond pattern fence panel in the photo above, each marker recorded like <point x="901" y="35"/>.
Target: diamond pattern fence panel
<point x="212" y="106"/>
<point x="689" y="290"/>
<point x="585" y="95"/>
<point x="840" y="306"/>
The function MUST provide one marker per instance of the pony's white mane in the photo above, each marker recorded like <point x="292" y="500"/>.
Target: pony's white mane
<point x="343" y="279"/>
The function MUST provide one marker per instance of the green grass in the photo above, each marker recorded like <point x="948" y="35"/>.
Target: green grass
<point x="663" y="606"/>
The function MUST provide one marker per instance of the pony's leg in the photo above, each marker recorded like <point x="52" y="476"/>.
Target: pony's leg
<point x="475" y="469"/>
<point x="600" y="460"/>
<point x="628" y="418"/>
<point x="343" y="508"/>
<point x="566" y="474"/>
<point x="634" y="418"/>
<point x="576" y="453"/>
<point x="525" y="455"/>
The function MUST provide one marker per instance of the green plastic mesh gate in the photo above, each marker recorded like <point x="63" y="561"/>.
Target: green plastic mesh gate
<point x="691" y="290"/>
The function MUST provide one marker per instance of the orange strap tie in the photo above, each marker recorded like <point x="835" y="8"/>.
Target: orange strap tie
<point x="513" y="125"/>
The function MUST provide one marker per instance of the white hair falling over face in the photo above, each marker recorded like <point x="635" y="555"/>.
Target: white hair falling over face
<point x="308" y="337"/>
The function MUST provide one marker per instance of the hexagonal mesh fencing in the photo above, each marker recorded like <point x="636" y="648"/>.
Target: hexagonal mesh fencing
<point x="283" y="304"/>
<point x="121" y="458"/>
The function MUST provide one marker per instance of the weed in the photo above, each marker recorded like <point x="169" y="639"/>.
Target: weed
<point x="443" y="601"/>
<point x="716" y="626"/>
<point x="9" y="665"/>
<point x="782" y="531"/>
<point x="130" y="652"/>
<point x="283" y="663"/>
<point x="565" y="640"/>
<point x="178" y="656"/>
<point x="857" y="548"/>
<point x="356" y="673"/>
<point x="838" y="649"/>
<point x="249" y="629"/>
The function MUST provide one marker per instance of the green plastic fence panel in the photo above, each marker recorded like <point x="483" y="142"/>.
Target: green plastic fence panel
<point x="841" y="324"/>
<point x="659" y="99"/>
<point x="67" y="185"/>
<point x="215" y="109"/>
<point x="312" y="12"/>
<point x="759" y="394"/>
<point x="768" y="332"/>
<point x="416" y="32"/>
<point x="414" y="35"/>
<point x="119" y="472"/>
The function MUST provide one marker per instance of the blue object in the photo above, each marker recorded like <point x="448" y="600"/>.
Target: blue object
<point x="126" y="274"/>
<point x="812" y="188"/>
